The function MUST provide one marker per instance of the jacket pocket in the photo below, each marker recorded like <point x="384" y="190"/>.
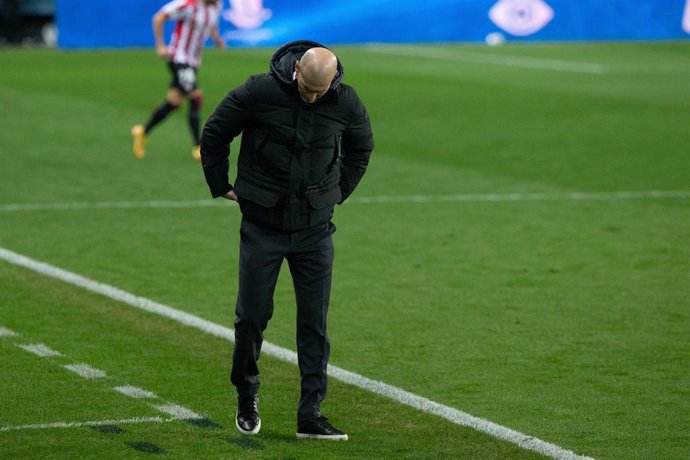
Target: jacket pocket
<point x="256" y="194"/>
<point x="324" y="199"/>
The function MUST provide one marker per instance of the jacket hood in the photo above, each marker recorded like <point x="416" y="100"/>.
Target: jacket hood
<point x="283" y="62"/>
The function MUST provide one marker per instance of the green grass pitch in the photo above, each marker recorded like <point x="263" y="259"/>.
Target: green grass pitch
<point x="505" y="255"/>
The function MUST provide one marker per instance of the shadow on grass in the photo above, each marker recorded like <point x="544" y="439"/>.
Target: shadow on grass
<point x="259" y="442"/>
<point x="246" y="442"/>
<point x="146" y="447"/>
<point x="205" y="423"/>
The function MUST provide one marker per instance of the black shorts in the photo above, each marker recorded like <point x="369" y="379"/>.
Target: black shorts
<point x="184" y="77"/>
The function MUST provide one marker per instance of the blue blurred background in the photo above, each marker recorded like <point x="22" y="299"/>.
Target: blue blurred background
<point x="127" y="23"/>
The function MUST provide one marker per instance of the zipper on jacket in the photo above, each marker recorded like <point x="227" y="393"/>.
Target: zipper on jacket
<point x="336" y="151"/>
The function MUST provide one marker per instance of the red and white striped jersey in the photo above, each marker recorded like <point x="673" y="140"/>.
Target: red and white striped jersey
<point x="195" y="21"/>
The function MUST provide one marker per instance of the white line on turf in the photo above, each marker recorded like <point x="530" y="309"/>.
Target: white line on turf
<point x="40" y="349"/>
<point x="397" y="394"/>
<point x="135" y="392"/>
<point x="179" y="412"/>
<point x="111" y="205"/>
<point x="86" y="371"/>
<point x="4" y="332"/>
<point x="502" y="197"/>
<point x="460" y="198"/>
<point x="43" y="426"/>
<point x="494" y="59"/>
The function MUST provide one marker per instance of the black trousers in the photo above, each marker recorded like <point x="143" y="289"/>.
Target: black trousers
<point x="309" y="254"/>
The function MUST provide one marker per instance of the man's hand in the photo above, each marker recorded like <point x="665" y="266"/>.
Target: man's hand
<point x="158" y="21"/>
<point x="220" y="45"/>
<point x="217" y="39"/>
<point x="162" y="50"/>
<point x="230" y="195"/>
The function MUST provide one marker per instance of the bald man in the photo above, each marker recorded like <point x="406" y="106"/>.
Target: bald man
<point x="306" y="143"/>
<point x="314" y="73"/>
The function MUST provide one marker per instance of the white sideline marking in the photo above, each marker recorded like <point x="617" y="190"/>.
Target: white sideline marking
<point x="113" y="205"/>
<point x="40" y="350"/>
<point x="496" y="59"/>
<point x="501" y="197"/>
<point x="464" y="198"/>
<point x="4" y="332"/>
<point x="86" y="371"/>
<point x="412" y="400"/>
<point x="179" y="412"/>
<point x="135" y="392"/>
<point x="42" y="426"/>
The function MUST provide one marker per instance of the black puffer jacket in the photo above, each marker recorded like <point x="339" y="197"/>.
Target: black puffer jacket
<point x="296" y="160"/>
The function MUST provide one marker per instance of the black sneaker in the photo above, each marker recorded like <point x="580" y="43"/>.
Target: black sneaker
<point x="319" y="428"/>
<point x="247" y="418"/>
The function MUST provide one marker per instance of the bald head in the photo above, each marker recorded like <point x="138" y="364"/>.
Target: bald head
<point x="318" y="66"/>
<point x="315" y="72"/>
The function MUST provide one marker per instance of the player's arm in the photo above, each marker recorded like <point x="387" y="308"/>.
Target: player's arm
<point x="158" y="21"/>
<point x="229" y="119"/>
<point x="357" y="144"/>
<point x="217" y="39"/>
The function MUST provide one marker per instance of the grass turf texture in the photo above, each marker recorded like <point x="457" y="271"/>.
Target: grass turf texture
<point x="566" y="319"/>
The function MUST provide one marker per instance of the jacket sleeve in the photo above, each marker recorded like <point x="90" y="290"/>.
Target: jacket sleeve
<point x="229" y="119"/>
<point x="357" y="144"/>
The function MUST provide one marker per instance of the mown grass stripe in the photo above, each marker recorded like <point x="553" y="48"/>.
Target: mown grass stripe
<point x="429" y="52"/>
<point x="417" y="402"/>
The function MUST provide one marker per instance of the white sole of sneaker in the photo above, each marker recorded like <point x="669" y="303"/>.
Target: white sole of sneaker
<point x="248" y="433"/>
<point x="336" y="437"/>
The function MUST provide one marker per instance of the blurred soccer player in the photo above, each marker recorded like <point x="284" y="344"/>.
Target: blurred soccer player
<point x="196" y="20"/>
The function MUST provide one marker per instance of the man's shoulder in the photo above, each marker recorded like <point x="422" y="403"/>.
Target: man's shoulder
<point x="347" y="95"/>
<point x="262" y="78"/>
<point x="344" y="88"/>
<point x="262" y="84"/>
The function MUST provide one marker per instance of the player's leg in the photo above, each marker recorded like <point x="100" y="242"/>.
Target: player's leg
<point x="311" y="269"/>
<point x="261" y="254"/>
<point x="173" y="100"/>
<point x="180" y="85"/>
<point x="140" y="132"/>
<point x="196" y="98"/>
